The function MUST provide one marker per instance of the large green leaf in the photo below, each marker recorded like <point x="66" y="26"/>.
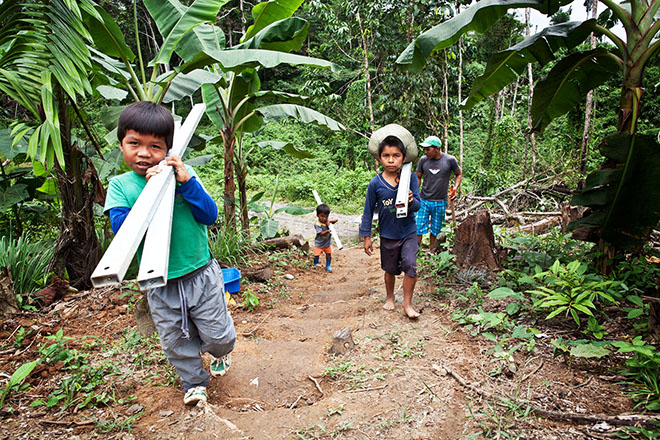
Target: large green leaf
<point x="187" y="84"/>
<point x="505" y="66"/>
<point x="203" y="37"/>
<point x="278" y="112"/>
<point x="112" y="93"/>
<point x="478" y="17"/>
<point x="268" y="228"/>
<point x="214" y="109"/>
<point x="269" y="12"/>
<point x="625" y="203"/>
<point x="174" y="20"/>
<point x="12" y="196"/>
<point x="286" y="35"/>
<point x="45" y="52"/>
<point x="568" y="83"/>
<point x="287" y="147"/>
<point x="234" y="60"/>
<point x="10" y="147"/>
<point x="107" y="36"/>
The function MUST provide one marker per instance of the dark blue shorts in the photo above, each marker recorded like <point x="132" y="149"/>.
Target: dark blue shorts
<point x="399" y="255"/>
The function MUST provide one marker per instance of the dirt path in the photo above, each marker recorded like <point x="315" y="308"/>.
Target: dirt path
<point x="384" y="388"/>
<point x="390" y="386"/>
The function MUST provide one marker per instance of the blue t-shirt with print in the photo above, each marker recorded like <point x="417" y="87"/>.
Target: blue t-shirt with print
<point x="381" y="197"/>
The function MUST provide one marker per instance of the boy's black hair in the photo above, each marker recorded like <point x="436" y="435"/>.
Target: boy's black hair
<point x="147" y="118"/>
<point x="322" y="209"/>
<point x="392" y="141"/>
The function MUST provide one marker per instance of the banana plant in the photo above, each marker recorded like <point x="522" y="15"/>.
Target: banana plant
<point x="185" y="31"/>
<point x="236" y="104"/>
<point x="627" y="180"/>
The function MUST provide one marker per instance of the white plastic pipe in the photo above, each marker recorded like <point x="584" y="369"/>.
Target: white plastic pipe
<point x="114" y="263"/>
<point x="401" y="203"/>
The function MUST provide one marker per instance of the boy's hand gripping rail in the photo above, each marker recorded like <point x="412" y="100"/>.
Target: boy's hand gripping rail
<point x="330" y="225"/>
<point x="114" y="263"/>
<point x="401" y="202"/>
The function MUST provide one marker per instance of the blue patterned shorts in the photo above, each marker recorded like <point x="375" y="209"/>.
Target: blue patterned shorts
<point x="432" y="213"/>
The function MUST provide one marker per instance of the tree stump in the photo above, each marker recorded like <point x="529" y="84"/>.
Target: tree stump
<point x="8" y="303"/>
<point x="143" y="320"/>
<point x="474" y="244"/>
<point x="570" y="213"/>
<point x="342" y="341"/>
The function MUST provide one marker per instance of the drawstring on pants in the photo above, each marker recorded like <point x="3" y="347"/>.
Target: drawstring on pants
<point x="184" y="310"/>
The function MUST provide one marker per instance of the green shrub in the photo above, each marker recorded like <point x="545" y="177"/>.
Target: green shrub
<point x="28" y="262"/>
<point x="229" y="246"/>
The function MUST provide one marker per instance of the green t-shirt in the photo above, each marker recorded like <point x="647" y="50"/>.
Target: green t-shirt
<point x="189" y="248"/>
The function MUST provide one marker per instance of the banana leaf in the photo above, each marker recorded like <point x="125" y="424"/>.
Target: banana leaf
<point x="108" y="38"/>
<point x="478" y="17"/>
<point x="174" y="20"/>
<point x="625" y="200"/>
<point x="288" y="147"/>
<point x="266" y="13"/>
<point x="278" y="112"/>
<point x="204" y="37"/>
<point x="187" y="84"/>
<point x="286" y="35"/>
<point x="233" y="60"/>
<point x="568" y="83"/>
<point x="504" y="67"/>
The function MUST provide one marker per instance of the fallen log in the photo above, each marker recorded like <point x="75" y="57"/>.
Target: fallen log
<point x="541" y="226"/>
<point x="286" y="242"/>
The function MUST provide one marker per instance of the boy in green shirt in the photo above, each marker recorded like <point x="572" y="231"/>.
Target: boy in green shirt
<point x="190" y="312"/>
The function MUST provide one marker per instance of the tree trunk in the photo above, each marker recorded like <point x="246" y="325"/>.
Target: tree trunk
<point x="475" y="242"/>
<point x="367" y="74"/>
<point x="531" y="137"/>
<point x="8" y="302"/>
<point x="445" y="92"/>
<point x="586" y="136"/>
<point x="77" y="251"/>
<point x="230" y="185"/>
<point x="242" y="192"/>
<point x="460" y="100"/>
<point x="515" y="96"/>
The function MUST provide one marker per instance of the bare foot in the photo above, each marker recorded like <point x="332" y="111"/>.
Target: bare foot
<point x="389" y="305"/>
<point x="411" y="313"/>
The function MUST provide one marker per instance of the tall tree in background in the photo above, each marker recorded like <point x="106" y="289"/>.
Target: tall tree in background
<point x="45" y="67"/>
<point x="586" y="137"/>
<point x="531" y="136"/>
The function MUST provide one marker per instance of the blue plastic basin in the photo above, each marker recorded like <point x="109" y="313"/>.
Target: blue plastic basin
<point x="232" y="278"/>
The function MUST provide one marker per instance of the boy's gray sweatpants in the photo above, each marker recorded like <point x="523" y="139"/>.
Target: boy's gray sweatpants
<point x="209" y="324"/>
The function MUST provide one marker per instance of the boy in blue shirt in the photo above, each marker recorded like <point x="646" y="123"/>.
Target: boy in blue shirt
<point x="398" y="236"/>
<point x="190" y="312"/>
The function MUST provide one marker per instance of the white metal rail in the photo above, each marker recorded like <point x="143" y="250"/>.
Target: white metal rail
<point x="114" y="263"/>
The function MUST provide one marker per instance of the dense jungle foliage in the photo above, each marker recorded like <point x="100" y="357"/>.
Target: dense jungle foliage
<point x="297" y="116"/>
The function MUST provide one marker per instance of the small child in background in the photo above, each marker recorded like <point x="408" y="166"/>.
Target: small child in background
<point x="323" y="240"/>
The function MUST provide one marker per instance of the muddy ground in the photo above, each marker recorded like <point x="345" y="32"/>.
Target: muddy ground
<point x="399" y="381"/>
